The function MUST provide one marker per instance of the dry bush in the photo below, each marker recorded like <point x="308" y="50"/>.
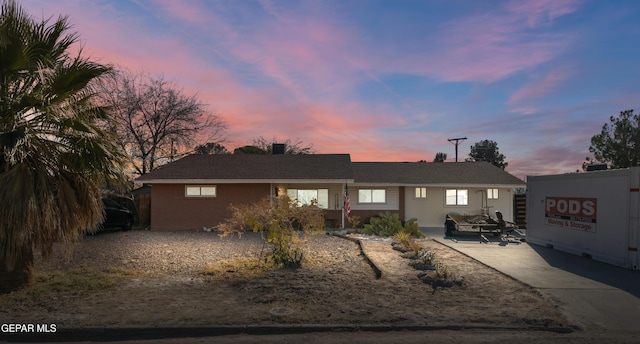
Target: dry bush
<point x="285" y="221"/>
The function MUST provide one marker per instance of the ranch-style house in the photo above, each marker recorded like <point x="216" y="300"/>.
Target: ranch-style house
<point x="196" y="191"/>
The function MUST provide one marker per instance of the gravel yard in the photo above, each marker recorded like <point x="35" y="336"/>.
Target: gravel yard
<point x="168" y="287"/>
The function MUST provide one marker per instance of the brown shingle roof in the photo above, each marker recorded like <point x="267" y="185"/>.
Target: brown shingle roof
<point x="408" y="173"/>
<point x="255" y="167"/>
<point x="328" y="167"/>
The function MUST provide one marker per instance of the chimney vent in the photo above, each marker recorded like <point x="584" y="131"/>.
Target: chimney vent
<point x="278" y="148"/>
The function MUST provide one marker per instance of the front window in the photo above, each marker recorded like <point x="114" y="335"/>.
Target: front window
<point x="372" y="196"/>
<point x="306" y="196"/>
<point x="200" y="191"/>
<point x="457" y="197"/>
<point x="421" y="192"/>
<point x="492" y="193"/>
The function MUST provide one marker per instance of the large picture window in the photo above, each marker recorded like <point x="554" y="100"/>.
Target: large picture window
<point x="306" y="196"/>
<point x="200" y="191"/>
<point x="372" y="196"/>
<point x="457" y="197"/>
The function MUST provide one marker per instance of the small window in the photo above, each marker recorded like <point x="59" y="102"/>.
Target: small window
<point x="421" y="192"/>
<point x="492" y="193"/>
<point x="372" y="196"/>
<point x="457" y="197"/>
<point x="200" y="191"/>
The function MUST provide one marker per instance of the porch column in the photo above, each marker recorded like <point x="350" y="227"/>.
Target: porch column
<point x="346" y="204"/>
<point x="344" y="185"/>
<point x="271" y="194"/>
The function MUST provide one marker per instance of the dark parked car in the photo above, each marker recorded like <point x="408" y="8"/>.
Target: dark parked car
<point x="116" y="215"/>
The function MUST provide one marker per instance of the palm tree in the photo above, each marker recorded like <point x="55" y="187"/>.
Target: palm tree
<point x="53" y="154"/>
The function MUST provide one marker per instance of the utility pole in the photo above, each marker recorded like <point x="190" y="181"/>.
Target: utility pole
<point x="456" y="142"/>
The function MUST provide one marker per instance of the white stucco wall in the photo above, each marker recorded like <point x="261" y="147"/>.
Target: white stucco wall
<point x="392" y="198"/>
<point x="431" y="211"/>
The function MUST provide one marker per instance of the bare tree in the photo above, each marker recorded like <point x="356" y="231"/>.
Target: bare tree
<point x="155" y="121"/>
<point x="292" y="147"/>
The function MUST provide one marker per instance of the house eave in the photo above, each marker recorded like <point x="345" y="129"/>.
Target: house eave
<point x="246" y="181"/>
<point x="443" y="185"/>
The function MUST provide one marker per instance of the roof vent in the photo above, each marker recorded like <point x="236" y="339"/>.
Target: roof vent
<point x="278" y="148"/>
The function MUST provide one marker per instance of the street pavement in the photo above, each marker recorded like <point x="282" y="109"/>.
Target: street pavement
<point x="593" y="295"/>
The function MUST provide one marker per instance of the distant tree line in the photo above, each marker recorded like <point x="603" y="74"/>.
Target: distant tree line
<point x="485" y="150"/>
<point x="260" y="145"/>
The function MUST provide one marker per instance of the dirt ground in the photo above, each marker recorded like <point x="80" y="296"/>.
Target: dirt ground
<point x="174" y="286"/>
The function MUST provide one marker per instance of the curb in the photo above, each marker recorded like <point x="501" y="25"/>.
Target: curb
<point x="373" y="265"/>
<point x="122" y="334"/>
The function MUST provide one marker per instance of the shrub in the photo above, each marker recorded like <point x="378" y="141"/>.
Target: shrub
<point x="427" y="257"/>
<point x="354" y="221"/>
<point x="426" y="261"/>
<point x="442" y="271"/>
<point x="388" y="224"/>
<point x="415" y="248"/>
<point x="403" y="238"/>
<point x="411" y="227"/>
<point x="284" y="221"/>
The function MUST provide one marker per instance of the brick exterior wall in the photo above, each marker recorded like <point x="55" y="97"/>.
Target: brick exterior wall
<point x="171" y="210"/>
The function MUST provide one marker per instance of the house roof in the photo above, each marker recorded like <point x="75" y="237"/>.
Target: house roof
<point x="309" y="168"/>
<point x="253" y="168"/>
<point x="418" y="173"/>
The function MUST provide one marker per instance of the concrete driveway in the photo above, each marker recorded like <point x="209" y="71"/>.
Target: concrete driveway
<point x="593" y="295"/>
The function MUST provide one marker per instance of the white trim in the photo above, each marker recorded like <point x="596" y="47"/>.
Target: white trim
<point x="446" y="197"/>
<point x="372" y="202"/>
<point x="421" y="194"/>
<point x="200" y="187"/>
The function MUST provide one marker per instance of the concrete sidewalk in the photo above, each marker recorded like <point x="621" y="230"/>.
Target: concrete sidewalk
<point x="591" y="294"/>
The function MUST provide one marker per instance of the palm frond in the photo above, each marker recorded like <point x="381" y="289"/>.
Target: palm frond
<point x="53" y="152"/>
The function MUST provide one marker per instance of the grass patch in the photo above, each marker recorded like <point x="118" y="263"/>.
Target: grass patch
<point x="69" y="282"/>
<point x="249" y="266"/>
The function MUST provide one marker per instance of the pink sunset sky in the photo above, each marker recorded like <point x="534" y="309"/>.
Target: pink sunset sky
<point x="385" y="80"/>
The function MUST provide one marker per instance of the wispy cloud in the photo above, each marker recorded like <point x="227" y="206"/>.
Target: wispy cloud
<point x="493" y="45"/>
<point x="385" y="83"/>
<point x="541" y="85"/>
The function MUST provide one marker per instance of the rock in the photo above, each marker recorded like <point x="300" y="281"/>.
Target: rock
<point x="409" y="255"/>
<point x="418" y="265"/>
<point x="399" y="247"/>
